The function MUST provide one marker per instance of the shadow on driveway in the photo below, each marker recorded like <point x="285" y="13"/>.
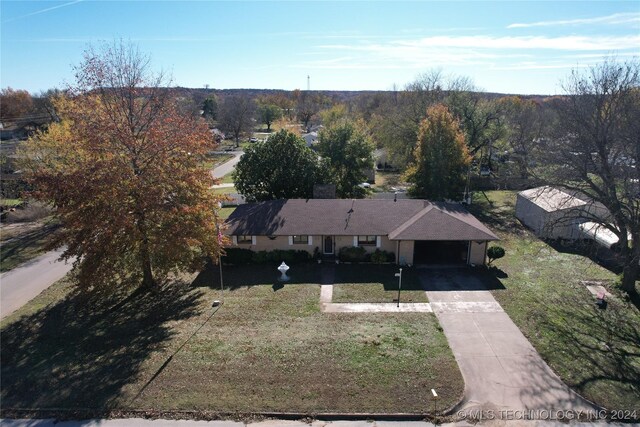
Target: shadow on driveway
<point x="459" y="279"/>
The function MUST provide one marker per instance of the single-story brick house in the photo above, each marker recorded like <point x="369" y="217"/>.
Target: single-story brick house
<point x="416" y="231"/>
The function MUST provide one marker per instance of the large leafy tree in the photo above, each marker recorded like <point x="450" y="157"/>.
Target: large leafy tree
<point x="347" y="150"/>
<point x="281" y="168"/>
<point x="523" y="121"/>
<point x="236" y="116"/>
<point x="440" y="159"/>
<point x="596" y="151"/>
<point x="124" y="171"/>
<point x="210" y="108"/>
<point x="269" y="113"/>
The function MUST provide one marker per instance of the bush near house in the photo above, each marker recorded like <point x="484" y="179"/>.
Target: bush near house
<point x="352" y="254"/>
<point x="240" y="256"/>
<point x="380" y="257"/>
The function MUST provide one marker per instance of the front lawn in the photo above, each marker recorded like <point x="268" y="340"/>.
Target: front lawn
<point x="268" y="348"/>
<point x="383" y="286"/>
<point x="596" y="352"/>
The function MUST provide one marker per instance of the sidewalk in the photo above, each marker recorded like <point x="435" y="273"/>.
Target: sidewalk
<point x="139" y="422"/>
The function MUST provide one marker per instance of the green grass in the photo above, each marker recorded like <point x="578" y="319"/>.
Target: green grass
<point x="596" y="352"/>
<point x="375" y="292"/>
<point x="386" y="180"/>
<point x="225" y="212"/>
<point x="217" y="159"/>
<point x="268" y="348"/>
<point x="10" y="203"/>
<point x="224" y="190"/>
<point x="376" y="283"/>
<point x="24" y="243"/>
<point x="227" y="179"/>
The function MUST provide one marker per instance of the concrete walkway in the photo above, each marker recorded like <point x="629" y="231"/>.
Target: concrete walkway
<point x="226" y="185"/>
<point x="23" y="283"/>
<point x="501" y="369"/>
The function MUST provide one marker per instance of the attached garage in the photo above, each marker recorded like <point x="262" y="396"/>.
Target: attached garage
<point x="440" y="252"/>
<point x="430" y="235"/>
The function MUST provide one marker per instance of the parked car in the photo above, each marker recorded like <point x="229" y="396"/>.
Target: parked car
<point x="254" y="139"/>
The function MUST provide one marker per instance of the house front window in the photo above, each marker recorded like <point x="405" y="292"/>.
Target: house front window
<point x="244" y="240"/>
<point x="366" y="240"/>
<point x="300" y="240"/>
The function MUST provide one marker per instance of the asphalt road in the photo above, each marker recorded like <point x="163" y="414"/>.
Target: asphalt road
<point x="23" y="283"/>
<point x="227" y="167"/>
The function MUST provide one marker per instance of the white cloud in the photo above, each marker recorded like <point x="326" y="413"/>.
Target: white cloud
<point x="38" y="12"/>
<point x="615" y="19"/>
<point x="489" y="52"/>
<point x="570" y="43"/>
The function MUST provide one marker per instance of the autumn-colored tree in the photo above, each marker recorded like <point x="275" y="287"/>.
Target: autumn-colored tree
<point x="124" y="171"/>
<point x="15" y="104"/>
<point x="440" y="159"/>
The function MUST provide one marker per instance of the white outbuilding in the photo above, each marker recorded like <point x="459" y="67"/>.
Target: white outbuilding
<point x="551" y="213"/>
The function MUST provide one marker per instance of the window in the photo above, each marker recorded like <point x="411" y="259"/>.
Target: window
<point x="366" y="240"/>
<point x="300" y="240"/>
<point x="245" y="240"/>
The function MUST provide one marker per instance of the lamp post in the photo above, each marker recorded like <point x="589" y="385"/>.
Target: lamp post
<point x="283" y="268"/>
<point x="399" y="276"/>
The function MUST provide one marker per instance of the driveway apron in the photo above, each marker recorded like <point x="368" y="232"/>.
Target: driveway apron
<point x="501" y="369"/>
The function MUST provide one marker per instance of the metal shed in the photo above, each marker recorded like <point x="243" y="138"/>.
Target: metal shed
<point x="551" y="213"/>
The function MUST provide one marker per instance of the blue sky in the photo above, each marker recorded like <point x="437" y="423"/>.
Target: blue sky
<point x="503" y="46"/>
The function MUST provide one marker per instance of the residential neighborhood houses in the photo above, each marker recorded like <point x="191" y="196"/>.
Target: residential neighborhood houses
<point x="426" y="254"/>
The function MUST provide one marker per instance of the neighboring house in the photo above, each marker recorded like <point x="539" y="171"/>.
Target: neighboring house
<point x="381" y="159"/>
<point x="310" y="138"/>
<point x="416" y="231"/>
<point x="555" y="214"/>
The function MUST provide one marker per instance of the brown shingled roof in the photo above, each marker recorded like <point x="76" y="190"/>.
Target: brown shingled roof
<point x="402" y="220"/>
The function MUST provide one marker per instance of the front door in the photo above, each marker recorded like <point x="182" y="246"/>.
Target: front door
<point x="328" y="245"/>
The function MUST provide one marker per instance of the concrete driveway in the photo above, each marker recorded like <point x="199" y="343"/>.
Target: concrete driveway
<point x="501" y="369"/>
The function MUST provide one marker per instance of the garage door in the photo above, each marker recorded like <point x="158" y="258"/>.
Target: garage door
<point x="440" y="252"/>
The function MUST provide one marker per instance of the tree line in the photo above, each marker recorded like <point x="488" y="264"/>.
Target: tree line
<point x="122" y="160"/>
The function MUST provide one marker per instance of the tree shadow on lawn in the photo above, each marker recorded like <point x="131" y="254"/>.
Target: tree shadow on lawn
<point x="81" y="351"/>
<point x="604" y="257"/>
<point x="596" y="351"/>
<point x="235" y="277"/>
<point x="18" y="248"/>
